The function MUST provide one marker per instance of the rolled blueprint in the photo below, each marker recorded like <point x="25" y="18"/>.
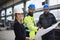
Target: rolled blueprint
<point x="42" y="32"/>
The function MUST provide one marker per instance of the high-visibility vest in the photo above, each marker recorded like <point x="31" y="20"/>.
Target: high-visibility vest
<point x="29" y="23"/>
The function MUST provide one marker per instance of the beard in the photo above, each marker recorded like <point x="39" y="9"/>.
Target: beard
<point x="30" y="13"/>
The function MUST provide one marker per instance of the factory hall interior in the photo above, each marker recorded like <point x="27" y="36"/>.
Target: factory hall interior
<point x="29" y="19"/>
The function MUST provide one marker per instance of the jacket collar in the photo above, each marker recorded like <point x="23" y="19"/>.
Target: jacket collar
<point x="46" y="14"/>
<point x="30" y="14"/>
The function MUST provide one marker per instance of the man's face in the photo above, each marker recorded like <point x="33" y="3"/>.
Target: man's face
<point x="31" y="10"/>
<point x="46" y="10"/>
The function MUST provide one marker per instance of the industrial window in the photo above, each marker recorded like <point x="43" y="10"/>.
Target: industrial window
<point x="3" y="13"/>
<point x="9" y="18"/>
<point x="2" y="18"/>
<point x="56" y="13"/>
<point x="38" y="3"/>
<point x="9" y="11"/>
<point x="54" y="2"/>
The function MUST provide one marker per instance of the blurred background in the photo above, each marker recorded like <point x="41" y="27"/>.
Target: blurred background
<point x="7" y="15"/>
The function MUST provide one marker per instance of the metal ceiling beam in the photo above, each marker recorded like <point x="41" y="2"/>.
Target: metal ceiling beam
<point x="3" y="2"/>
<point x="51" y="8"/>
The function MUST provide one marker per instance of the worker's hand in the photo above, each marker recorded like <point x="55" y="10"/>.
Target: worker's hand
<point x="42" y="28"/>
<point x="21" y="19"/>
<point x="28" y="38"/>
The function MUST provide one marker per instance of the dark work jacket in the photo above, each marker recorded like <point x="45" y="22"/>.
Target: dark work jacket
<point x="19" y="31"/>
<point x="46" y="20"/>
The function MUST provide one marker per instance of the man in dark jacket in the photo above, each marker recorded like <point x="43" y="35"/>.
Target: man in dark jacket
<point x="46" y="20"/>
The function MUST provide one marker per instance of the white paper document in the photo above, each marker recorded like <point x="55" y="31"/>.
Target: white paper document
<point x="42" y="32"/>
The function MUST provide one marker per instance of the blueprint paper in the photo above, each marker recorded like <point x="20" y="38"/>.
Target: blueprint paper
<point x="42" y="32"/>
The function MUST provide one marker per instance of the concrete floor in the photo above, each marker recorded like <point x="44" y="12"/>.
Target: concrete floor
<point x="7" y="35"/>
